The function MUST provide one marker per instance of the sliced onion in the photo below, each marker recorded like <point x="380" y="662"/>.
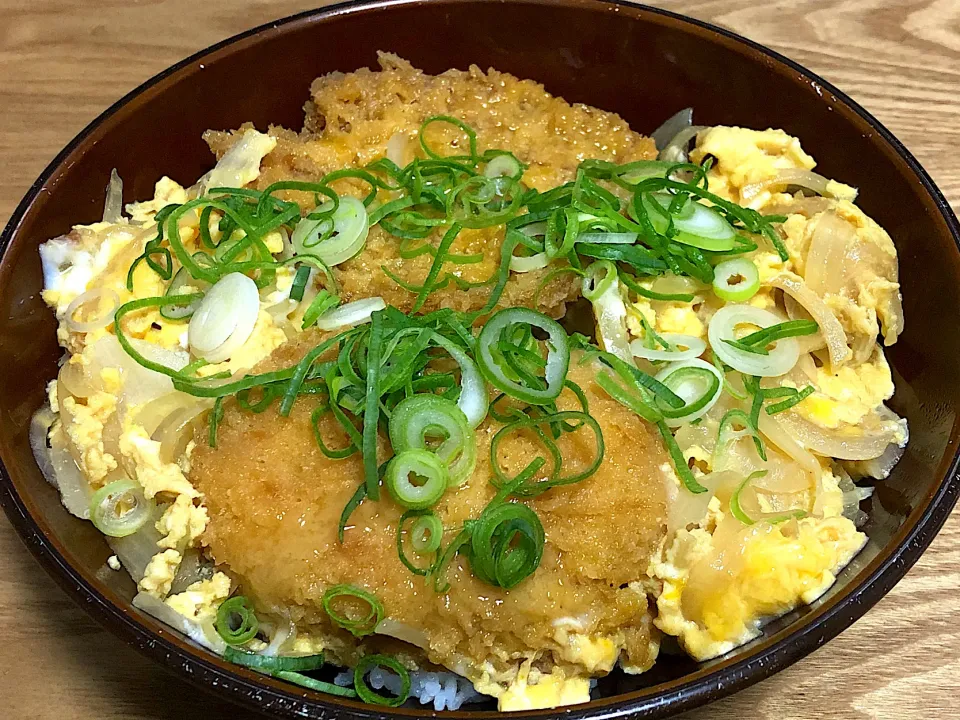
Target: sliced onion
<point x="192" y="569"/>
<point x="177" y="429"/>
<point x="350" y="225"/>
<point x="723" y="325"/>
<point x="40" y="425"/>
<point x="858" y="443"/>
<point x="771" y="429"/>
<point x="397" y="149"/>
<point x="74" y="489"/>
<point x="694" y="348"/>
<point x="792" y="176"/>
<point x="135" y="551"/>
<point x="351" y="314"/>
<point x="529" y="263"/>
<point x="474" y="400"/>
<point x="225" y="319"/>
<point x="677" y="149"/>
<point x="825" y="267"/>
<point x="671" y="126"/>
<point x="691" y="390"/>
<point x="201" y="633"/>
<point x="608" y="309"/>
<point x="113" y="204"/>
<point x="830" y="328"/>
<point x="91" y="296"/>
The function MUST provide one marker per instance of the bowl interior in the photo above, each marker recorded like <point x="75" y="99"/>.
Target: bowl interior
<point x="642" y="64"/>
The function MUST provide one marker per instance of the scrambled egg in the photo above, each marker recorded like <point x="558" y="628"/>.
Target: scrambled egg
<point x="870" y="291"/>
<point x="717" y="598"/>
<point x="847" y="395"/>
<point x="99" y="256"/>
<point x="84" y="425"/>
<point x="533" y="690"/>
<point x="182" y="523"/>
<point x="747" y="157"/>
<point x="201" y="600"/>
<point x="159" y="574"/>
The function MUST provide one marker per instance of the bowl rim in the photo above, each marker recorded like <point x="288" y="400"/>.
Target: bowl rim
<point x="706" y="684"/>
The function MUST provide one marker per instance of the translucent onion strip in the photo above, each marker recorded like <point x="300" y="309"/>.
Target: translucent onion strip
<point x="830" y="327"/>
<point x="351" y="314"/>
<point x="602" y="287"/>
<point x="94" y="297"/>
<point x="794" y="176"/>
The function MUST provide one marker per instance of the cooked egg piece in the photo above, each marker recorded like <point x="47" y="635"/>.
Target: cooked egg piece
<point x="533" y="690"/>
<point x="843" y="397"/>
<point x="159" y="574"/>
<point x="201" y="600"/>
<point x="744" y="156"/>
<point x="714" y="600"/>
<point x="181" y="524"/>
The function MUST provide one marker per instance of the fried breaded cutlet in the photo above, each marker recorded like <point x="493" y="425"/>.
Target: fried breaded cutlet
<point x="275" y="500"/>
<point x="353" y="118"/>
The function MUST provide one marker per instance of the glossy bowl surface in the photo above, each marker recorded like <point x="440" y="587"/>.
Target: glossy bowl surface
<point x="642" y="63"/>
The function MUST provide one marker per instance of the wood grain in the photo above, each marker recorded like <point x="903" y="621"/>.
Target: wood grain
<point x="63" y="61"/>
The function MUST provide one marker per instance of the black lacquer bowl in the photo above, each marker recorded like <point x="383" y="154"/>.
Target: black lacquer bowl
<point x="644" y="64"/>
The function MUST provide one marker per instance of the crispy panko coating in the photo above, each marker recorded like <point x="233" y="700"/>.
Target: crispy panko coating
<point x="351" y="120"/>
<point x="275" y="501"/>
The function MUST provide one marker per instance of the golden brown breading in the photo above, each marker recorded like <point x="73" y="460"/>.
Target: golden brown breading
<point x="352" y="117"/>
<point x="275" y="499"/>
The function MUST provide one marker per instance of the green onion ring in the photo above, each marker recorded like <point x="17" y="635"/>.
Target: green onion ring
<point x="236" y="621"/>
<point x="506" y="544"/>
<point x="368" y="663"/>
<point x="557" y="362"/>
<point x="359" y="627"/>
<point x="424" y="464"/>
<point x="119" y="509"/>
<point x="419" y="416"/>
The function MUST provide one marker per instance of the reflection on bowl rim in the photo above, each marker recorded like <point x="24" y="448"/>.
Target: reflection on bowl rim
<point x="716" y="679"/>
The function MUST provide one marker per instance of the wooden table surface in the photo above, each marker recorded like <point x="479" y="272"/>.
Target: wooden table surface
<point x="63" y="61"/>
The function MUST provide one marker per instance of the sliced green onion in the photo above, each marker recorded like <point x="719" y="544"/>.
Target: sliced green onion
<point x="780" y="331"/>
<point x="333" y="238"/>
<point x="299" y="283"/>
<point x="722" y="330"/>
<point x="368" y="663"/>
<point x="321" y="304"/>
<point x="679" y="462"/>
<point x="737" y="510"/>
<point x="728" y="434"/>
<point x="360" y="626"/>
<point x="236" y="621"/>
<point x="426" y="534"/>
<point x="181" y="282"/>
<point x="695" y="223"/>
<point x="792" y="400"/>
<point x="312" y="684"/>
<point x="736" y="280"/>
<point x="571" y="419"/>
<point x="431" y="472"/>
<point x="494" y="341"/>
<point x="504" y="164"/>
<point x="699" y="384"/>
<point x="420" y="417"/>
<point x="273" y="663"/>
<point x="120" y="508"/>
<point x="506" y="544"/>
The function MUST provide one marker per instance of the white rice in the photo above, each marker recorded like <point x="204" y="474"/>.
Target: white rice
<point x="446" y="690"/>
